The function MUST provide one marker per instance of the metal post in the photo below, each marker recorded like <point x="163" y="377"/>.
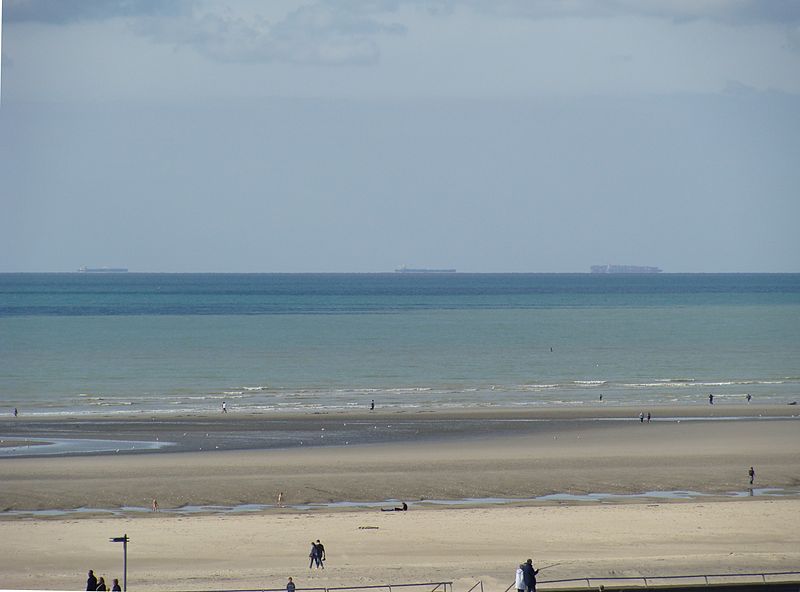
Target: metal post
<point x="124" y="540"/>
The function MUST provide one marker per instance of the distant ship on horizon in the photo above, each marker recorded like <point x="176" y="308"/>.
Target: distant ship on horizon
<point x="405" y="269"/>
<point x="624" y="269"/>
<point x="84" y="269"/>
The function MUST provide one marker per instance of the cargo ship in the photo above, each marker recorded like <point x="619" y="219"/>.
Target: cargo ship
<point x="624" y="269"/>
<point x="405" y="269"/>
<point x="85" y="269"/>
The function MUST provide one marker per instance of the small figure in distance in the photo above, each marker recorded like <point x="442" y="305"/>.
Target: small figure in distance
<point x="752" y="474"/>
<point x="372" y="405"/>
<point x="15" y="412"/>
<point x="529" y="576"/>
<point x="748" y="397"/>
<point x="154" y="506"/>
<point x="601" y="397"/>
<point x="280" y="505"/>
<point x="648" y="417"/>
<point x="641" y="417"/>
<point x="91" y="582"/>
<point x="115" y="587"/>
<point x="101" y="585"/>
<point x="290" y="585"/>
<point x="224" y="407"/>
<point x="314" y="555"/>
<point x="710" y="399"/>
<point x="519" y="579"/>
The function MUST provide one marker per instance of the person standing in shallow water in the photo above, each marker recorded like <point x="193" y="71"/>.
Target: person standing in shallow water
<point x="752" y="474"/>
<point x="372" y="405"/>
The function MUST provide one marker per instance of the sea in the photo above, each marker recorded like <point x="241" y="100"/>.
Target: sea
<point x="138" y="343"/>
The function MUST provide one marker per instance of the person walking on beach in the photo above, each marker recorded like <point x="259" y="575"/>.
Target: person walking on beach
<point x="519" y="580"/>
<point x="115" y="587"/>
<point x="155" y="505"/>
<point x="91" y="582"/>
<point x="648" y="417"/>
<point x="224" y="407"/>
<point x="290" y="585"/>
<point x="280" y="501"/>
<point x="321" y="551"/>
<point x="17" y="412"/>
<point x="752" y="474"/>
<point x="748" y="397"/>
<point x="314" y="555"/>
<point x="641" y="417"/>
<point x="710" y="399"/>
<point x="101" y="585"/>
<point x="372" y="405"/>
<point x="529" y="576"/>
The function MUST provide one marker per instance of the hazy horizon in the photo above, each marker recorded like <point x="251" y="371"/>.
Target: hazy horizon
<point x="318" y="136"/>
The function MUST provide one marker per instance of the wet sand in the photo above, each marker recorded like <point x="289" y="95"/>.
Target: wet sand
<point x="513" y="455"/>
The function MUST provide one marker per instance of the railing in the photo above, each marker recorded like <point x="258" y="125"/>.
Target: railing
<point x="437" y="587"/>
<point x="646" y="580"/>
<point x="592" y="583"/>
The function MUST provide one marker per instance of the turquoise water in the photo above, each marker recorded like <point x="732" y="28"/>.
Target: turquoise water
<point x="178" y="343"/>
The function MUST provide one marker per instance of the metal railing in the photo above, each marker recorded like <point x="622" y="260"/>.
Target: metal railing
<point x="646" y="581"/>
<point x="437" y="587"/>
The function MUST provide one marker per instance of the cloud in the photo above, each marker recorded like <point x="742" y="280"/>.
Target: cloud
<point x="735" y="12"/>
<point x="319" y="32"/>
<point x="313" y="34"/>
<point x="65" y="11"/>
<point x="334" y="32"/>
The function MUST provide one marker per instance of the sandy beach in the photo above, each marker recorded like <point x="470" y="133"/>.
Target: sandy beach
<point x="561" y="452"/>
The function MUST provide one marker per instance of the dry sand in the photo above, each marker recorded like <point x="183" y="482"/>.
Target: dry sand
<point x="170" y="551"/>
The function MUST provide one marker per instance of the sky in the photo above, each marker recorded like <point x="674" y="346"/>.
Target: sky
<point x="362" y="135"/>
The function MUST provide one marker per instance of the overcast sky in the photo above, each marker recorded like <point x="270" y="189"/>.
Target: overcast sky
<point x="334" y="135"/>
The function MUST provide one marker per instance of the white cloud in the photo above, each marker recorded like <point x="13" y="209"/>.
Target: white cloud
<point x="312" y="34"/>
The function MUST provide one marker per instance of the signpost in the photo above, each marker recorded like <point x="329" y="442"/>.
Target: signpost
<point x="124" y="540"/>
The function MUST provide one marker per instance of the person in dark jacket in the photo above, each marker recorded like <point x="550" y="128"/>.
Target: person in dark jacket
<point x="101" y="585"/>
<point x="115" y="587"/>
<point x="91" y="582"/>
<point x="529" y="576"/>
<point x="321" y="552"/>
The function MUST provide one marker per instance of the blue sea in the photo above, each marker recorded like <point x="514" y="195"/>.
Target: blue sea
<point x="130" y="343"/>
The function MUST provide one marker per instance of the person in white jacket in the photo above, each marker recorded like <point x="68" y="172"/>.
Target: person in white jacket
<point x="519" y="582"/>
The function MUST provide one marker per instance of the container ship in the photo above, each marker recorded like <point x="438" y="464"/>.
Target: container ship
<point x="405" y="269"/>
<point x="85" y="269"/>
<point x="624" y="269"/>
